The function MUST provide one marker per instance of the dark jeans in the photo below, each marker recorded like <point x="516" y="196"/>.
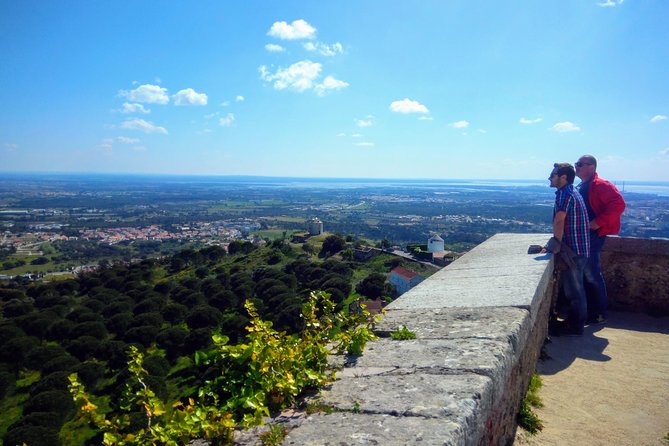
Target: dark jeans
<point x="597" y="298"/>
<point x="574" y="293"/>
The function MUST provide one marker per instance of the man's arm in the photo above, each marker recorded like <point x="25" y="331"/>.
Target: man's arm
<point x="558" y="224"/>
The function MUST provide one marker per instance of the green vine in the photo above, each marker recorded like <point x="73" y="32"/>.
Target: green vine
<point x="266" y="372"/>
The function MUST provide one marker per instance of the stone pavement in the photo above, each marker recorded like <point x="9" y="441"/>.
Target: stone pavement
<point x="610" y="387"/>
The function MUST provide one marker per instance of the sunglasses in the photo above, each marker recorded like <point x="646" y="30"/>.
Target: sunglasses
<point x="581" y="164"/>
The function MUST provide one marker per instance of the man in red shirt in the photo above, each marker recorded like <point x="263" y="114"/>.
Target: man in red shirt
<point x="605" y="205"/>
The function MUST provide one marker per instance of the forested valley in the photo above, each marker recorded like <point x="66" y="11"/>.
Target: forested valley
<point x="169" y="310"/>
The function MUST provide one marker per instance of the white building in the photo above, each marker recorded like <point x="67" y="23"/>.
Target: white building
<point x="315" y="226"/>
<point x="435" y="244"/>
<point x="404" y="279"/>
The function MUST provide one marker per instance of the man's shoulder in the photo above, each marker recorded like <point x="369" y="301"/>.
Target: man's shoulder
<point x="599" y="181"/>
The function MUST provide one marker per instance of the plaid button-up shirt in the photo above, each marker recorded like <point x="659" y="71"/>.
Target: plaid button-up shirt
<point x="576" y="223"/>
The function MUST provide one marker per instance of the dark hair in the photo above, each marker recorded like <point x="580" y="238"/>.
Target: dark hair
<point x="590" y="159"/>
<point x="565" y="169"/>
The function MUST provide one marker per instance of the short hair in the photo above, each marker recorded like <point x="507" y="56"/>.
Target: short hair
<point x="565" y="169"/>
<point x="590" y="159"/>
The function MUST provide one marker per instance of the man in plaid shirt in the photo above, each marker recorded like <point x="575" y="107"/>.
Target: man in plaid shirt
<point x="571" y="227"/>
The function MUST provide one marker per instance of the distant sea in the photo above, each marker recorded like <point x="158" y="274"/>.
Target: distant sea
<point x="660" y="188"/>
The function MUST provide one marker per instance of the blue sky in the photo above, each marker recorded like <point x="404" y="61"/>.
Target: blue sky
<point x="378" y="89"/>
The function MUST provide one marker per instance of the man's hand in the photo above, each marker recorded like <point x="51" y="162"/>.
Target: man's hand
<point x="594" y="225"/>
<point x="553" y="246"/>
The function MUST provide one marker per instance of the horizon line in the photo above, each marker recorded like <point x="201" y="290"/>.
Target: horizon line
<point x="278" y="177"/>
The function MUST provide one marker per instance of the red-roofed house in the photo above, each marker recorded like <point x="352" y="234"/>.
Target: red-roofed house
<point x="404" y="279"/>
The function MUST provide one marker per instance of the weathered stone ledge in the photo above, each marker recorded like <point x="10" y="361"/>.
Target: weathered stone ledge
<point x="479" y="324"/>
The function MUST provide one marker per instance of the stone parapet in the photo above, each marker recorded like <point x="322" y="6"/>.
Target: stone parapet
<point x="479" y="324"/>
<point x="637" y="274"/>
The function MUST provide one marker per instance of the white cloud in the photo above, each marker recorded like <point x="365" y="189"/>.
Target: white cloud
<point x="147" y="93"/>
<point x="227" y="121"/>
<point x="363" y="122"/>
<point x="239" y="98"/>
<point x="329" y="83"/>
<point x="356" y="135"/>
<point x="225" y="103"/>
<point x="139" y="149"/>
<point x="664" y="152"/>
<point x="211" y="115"/>
<point x="565" y="127"/>
<point x="459" y="124"/>
<point x="134" y="108"/>
<point x="407" y="105"/>
<point x="127" y="140"/>
<point x="610" y="3"/>
<point x="482" y="131"/>
<point x="657" y="118"/>
<point x="325" y="49"/>
<point x="341" y="134"/>
<point x="364" y="144"/>
<point x="299" y="77"/>
<point x="299" y="29"/>
<point x="274" y="48"/>
<point x="528" y="121"/>
<point x="425" y="118"/>
<point x="11" y="146"/>
<point x="189" y="96"/>
<point x="140" y="124"/>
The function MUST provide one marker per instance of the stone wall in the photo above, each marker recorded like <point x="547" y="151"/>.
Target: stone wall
<point x="637" y="274"/>
<point x="479" y="324"/>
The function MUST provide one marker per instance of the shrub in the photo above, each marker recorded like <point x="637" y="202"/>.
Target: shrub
<point x="113" y="352"/>
<point x="172" y="339"/>
<point x="7" y="381"/>
<point x="52" y="381"/>
<point x="174" y="313"/>
<point x="51" y="420"/>
<point x="9" y="331"/>
<point x="144" y="319"/>
<point x="84" y="347"/>
<point x="119" y="323"/>
<point x="116" y="307"/>
<point x="36" y="324"/>
<point x="15" y="308"/>
<point x="204" y="316"/>
<point x="61" y="363"/>
<point x="402" y="333"/>
<point x="149" y="305"/>
<point x="197" y="339"/>
<point x="40" y="355"/>
<point x="59" y="330"/>
<point x="14" y="351"/>
<point x="156" y="365"/>
<point x="144" y="335"/>
<point x="32" y="435"/>
<point x="95" y="329"/>
<point x="57" y="401"/>
<point x="8" y="294"/>
<point x="90" y="372"/>
<point x="83" y="314"/>
<point x="225" y="300"/>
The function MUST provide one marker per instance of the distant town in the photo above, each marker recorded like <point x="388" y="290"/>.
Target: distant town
<point x="59" y="224"/>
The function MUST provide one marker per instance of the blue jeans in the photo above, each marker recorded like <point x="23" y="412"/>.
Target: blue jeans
<point x="597" y="298"/>
<point x="574" y="293"/>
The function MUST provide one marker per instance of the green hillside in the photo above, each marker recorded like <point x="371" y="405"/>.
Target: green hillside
<point x="169" y="310"/>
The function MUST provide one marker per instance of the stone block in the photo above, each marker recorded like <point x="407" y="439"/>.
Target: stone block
<point x="351" y="429"/>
